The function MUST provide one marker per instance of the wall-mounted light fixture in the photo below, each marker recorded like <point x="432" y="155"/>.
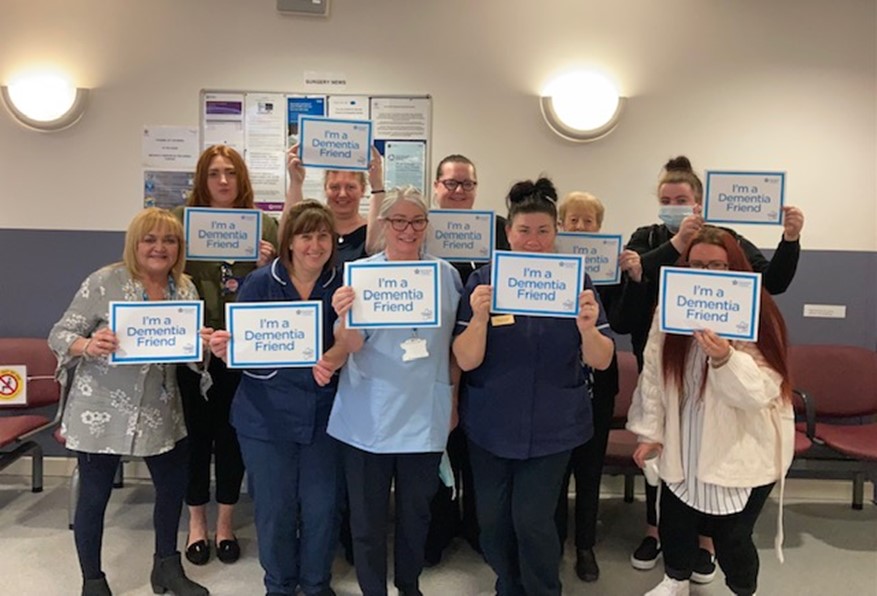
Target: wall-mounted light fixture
<point x="581" y="106"/>
<point x="46" y="102"/>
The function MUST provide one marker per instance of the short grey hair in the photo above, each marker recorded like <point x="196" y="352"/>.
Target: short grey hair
<point x="403" y="193"/>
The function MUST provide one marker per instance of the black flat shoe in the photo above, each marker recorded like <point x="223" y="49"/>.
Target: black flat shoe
<point x="228" y="551"/>
<point x="198" y="553"/>
<point x="586" y="565"/>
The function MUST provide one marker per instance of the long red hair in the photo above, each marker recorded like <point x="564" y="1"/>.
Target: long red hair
<point x="772" y="335"/>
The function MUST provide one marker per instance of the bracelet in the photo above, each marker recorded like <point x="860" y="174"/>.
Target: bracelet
<point x="85" y="348"/>
<point x="719" y="362"/>
<point x="374" y="192"/>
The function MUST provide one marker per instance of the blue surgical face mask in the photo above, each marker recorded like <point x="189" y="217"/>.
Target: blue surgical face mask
<point x="672" y="215"/>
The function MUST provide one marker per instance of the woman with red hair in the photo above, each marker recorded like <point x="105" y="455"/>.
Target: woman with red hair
<point x="718" y="413"/>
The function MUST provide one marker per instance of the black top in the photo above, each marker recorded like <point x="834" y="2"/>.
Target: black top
<point x="351" y="246"/>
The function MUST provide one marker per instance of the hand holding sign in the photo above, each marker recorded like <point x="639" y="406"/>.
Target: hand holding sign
<point x="293" y="166"/>
<point x="690" y="226"/>
<point x="717" y="348"/>
<point x="376" y="170"/>
<point x="631" y="263"/>
<point x="342" y="301"/>
<point x="102" y="342"/>
<point x="793" y="221"/>
<point x="480" y="301"/>
<point x="589" y="310"/>
<point x="218" y="342"/>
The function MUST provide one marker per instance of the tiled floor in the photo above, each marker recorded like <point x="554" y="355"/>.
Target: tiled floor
<point x="830" y="549"/>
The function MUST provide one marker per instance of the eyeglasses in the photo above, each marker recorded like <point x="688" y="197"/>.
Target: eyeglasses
<point x="399" y="224"/>
<point x="711" y="265"/>
<point x="452" y="185"/>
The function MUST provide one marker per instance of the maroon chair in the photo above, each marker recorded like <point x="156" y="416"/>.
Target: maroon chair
<point x="840" y="385"/>
<point x="622" y="442"/>
<point x="42" y="391"/>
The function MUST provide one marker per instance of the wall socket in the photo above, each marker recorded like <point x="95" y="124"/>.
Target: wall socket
<point x="825" y="311"/>
<point x="313" y="8"/>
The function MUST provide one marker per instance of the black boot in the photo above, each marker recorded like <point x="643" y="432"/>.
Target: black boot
<point x="96" y="587"/>
<point x="168" y="575"/>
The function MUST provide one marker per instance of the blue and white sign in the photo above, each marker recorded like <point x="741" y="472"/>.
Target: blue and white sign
<point x="222" y="234"/>
<point x="461" y="234"/>
<point x="599" y="254"/>
<point x="274" y="334"/>
<point x="536" y="284"/>
<point x="394" y="294"/>
<point x="744" y="197"/>
<point x="334" y="143"/>
<point x="153" y="332"/>
<point x="727" y="302"/>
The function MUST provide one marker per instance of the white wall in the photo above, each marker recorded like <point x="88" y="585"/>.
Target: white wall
<point x="784" y="84"/>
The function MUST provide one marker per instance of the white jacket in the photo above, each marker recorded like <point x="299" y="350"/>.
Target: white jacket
<point x="748" y="429"/>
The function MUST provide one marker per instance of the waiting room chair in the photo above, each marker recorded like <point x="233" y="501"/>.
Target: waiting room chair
<point x="622" y="442"/>
<point x="43" y="390"/>
<point x="840" y="385"/>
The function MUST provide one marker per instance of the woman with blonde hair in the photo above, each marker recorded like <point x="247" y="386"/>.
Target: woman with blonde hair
<point x="116" y="411"/>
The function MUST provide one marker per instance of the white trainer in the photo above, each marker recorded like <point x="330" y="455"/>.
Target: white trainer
<point x="670" y="587"/>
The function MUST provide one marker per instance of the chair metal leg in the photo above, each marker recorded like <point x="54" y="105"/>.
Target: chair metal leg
<point x="119" y="478"/>
<point x="36" y="477"/>
<point x="74" y="497"/>
<point x="628" y="487"/>
<point x="858" y="490"/>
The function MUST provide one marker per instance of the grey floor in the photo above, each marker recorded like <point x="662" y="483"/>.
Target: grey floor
<point x="830" y="549"/>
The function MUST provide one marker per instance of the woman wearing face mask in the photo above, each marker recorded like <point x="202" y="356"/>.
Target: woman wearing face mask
<point x="344" y="190"/>
<point x="583" y="212"/>
<point x="680" y="194"/>
<point x="525" y="404"/>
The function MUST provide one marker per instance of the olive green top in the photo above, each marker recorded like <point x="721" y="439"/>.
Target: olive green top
<point x="208" y="276"/>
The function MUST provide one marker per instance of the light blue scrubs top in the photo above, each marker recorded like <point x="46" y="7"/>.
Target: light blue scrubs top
<point x="385" y="405"/>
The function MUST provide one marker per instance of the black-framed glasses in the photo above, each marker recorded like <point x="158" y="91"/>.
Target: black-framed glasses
<point x="399" y="224"/>
<point x="711" y="265"/>
<point x="452" y="185"/>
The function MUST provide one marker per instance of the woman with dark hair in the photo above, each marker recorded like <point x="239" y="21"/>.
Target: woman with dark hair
<point x="680" y="194"/>
<point x="221" y="182"/>
<point x="718" y="414"/>
<point x="525" y="404"/>
<point x="281" y="415"/>
<point x="121" y="410"/>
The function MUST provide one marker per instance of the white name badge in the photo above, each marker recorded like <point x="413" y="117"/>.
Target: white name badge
<point x="13" y="385"/>
<point x="222" y="234"/>
<point x="274" y="334"/>
<point x="536" y="284"/>
<point x="155" y="332"/>
<point x="461" y="234"/>
<point x="599" y="254"/>
<point x="744" y="197"/>
<point x="727" y="302"/>
<point x="334" y="143"/>
<point x="394" y="294"/>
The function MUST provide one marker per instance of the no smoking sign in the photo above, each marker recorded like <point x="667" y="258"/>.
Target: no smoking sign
<point x="13" y="385"/>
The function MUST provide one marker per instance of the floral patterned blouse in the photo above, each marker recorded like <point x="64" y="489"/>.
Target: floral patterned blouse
<point x="127" y="409"/>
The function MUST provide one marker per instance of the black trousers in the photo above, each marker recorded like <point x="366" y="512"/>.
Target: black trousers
<point x="447" y="519"/>
<point x="732" y="536"/>
<point x="517" y="501"/>
<point x="96" y="474"/>
<point x="211" y="434"/>
<point x="586" y="464"/>
<point x="369" y="477"/>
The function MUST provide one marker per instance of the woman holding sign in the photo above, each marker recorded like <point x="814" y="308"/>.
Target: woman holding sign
<point x="583" y="212"/>
<point x="221" y="182"/>
<point x="344" y="191"/>
<point x="718" y="415"/>
<point x="394" y="408"/>
<point x="680" y="193"/>
<point x="121" y="410"/>
<point x="280" y="415"/>
<point x="525" y="404"/>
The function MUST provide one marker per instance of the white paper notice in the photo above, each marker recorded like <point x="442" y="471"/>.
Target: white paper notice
<point x="599" y="253"/>
<point x="400" y="118"/>
<point x="266" y="144"/>
<point x="394" y="294"/>
<point x="157" y="331"/>
<point x="724" y="301"/>
<point x="224" y="120"/>
<point x="170" y="148"/>
<point x="274" y="334"/>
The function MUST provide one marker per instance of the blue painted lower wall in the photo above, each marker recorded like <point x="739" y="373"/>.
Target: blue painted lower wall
<point x="41" y="270"/>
